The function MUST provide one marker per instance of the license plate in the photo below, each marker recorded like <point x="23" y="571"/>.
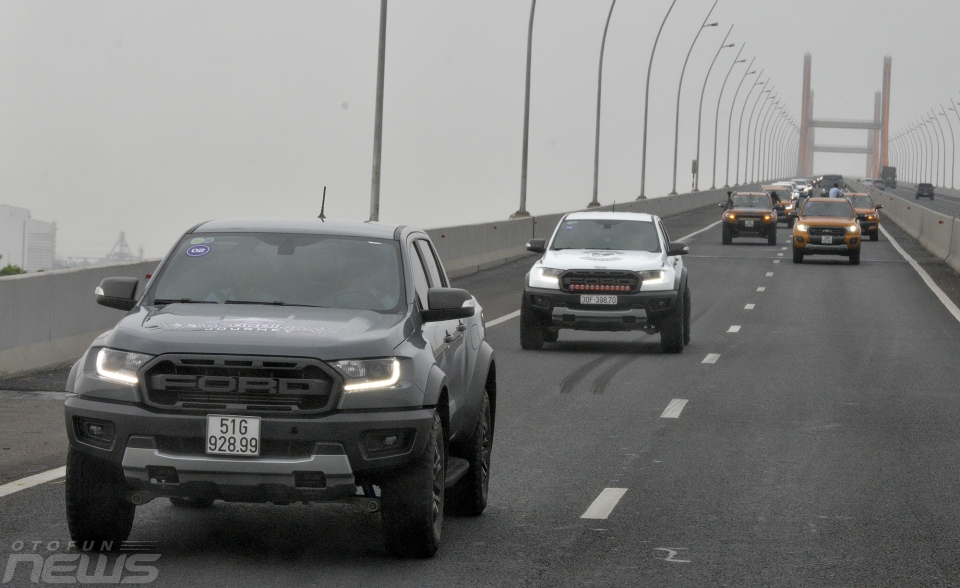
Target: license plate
<point x="233" y="435"/>
<point x="598" y="299"/>
<point x="748" y="223"/>
<point x="827" y="240"/>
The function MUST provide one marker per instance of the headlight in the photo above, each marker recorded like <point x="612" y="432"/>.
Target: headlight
<point x="854" y="228"/>
<point x="120" y="366"/>
<point x="545" y="277"/>
<point x="767" y="217"/>
<point x="653" y="277"/>
<point x="369" y="374"/>
<point x="801" y="227"/>
<point x="871" y="217"/>
<point x="730" y="215"/>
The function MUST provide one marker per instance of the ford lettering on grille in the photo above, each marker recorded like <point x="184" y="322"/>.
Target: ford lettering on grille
<point x="240" y="385"/>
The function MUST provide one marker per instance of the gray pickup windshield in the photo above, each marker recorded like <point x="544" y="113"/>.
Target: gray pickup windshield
<point x="607" y="234"/>
<point x="283" y="269"/>
<point x="838" y="209"/>
<point x="861" y="201"/>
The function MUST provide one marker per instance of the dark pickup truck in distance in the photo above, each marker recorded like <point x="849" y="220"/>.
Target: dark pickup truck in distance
<point x="924" y="191"/>
<point x="286" y="361"/>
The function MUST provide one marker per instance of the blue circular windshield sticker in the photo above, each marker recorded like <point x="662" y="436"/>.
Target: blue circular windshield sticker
<point x="198" y="250"/>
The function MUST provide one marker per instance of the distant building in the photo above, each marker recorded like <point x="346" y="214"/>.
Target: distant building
<point x="28" y="243"/>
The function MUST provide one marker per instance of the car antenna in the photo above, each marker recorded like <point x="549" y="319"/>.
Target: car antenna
<point x="614" y="207"/>
<point x="323" y="205"/>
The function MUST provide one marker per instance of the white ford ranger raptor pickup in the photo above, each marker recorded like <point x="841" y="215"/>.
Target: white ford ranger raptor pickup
<point x="607" y="271"/>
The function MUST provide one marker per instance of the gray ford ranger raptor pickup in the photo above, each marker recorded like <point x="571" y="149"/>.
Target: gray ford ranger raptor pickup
<point x="286" y="361"/>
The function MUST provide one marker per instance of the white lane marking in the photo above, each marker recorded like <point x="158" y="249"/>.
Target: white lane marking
<point x="761" y="288"/>
<point x="674" y="409"/>
<point x="779" y="255"/>
<point x="769" y="274"/>
<point x="604" y="504"/>
<point x="711" y="358"/>
<point x="784" y="248"/>
<point x="734" y="329"/>
<point x="926" y="277"/>
<point x="34" y="480"/>
<point x="776" y="261"/>
<point x="749" y="307"/>
<point x="503" y="319"/>
<point x="706" y="228"/>
<point x="672" y="551"/>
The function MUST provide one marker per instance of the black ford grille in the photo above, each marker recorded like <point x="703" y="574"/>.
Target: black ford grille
<point x="222" y="382"/>
<point x="599" y="281"/>
<point x="835" y="231"/>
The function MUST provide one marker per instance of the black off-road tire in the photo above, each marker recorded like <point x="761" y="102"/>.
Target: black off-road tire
<point x="875" y="235"/>
<point x="671" y="329"/>
<point x="727" y="237"/>
<point x="97" y="508"/>
<point x="790" y="221"/>
<point x="550" y="336"/>
<point x="855" y="257"/>
<point x="531" y="329"/>
<point x="468" y="497"/>
<point x="772" y="237"/>
<point x="686" y="315"/>
<point x="412" y="501"/>
<point x="797" y="255"/>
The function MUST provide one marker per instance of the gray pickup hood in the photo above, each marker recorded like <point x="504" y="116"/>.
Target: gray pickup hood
<point x="322" y="333"/>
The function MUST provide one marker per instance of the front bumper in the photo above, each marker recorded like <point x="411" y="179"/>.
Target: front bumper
<point x="633" y="312"/>
<point x="320" y="458"/>
<point x="760" y="228"/>
<point x="808" y="247"/>
<point x="868" y="226"/>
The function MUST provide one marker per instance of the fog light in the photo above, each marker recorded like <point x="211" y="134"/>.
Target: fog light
<point x="392" y="442"/>
<point x="163" y="475"/>
<point x="96" y="433"/>
<point x="800" y="240"/>
<point x="540" y="301"/>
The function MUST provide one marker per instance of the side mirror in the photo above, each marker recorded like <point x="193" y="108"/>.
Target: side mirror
<point x="448" y="303"/>
<point x="117" y="293"/>
<point x="794" y="213"/>
<point x="678" y="248"/>
<point x="879" y="206"/>
<point x="537" y="245"/>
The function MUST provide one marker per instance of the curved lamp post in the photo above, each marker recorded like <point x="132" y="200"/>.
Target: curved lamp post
<point x="378" y="117"/>
<point x="646" y="104"/>
<point x="942" y="137"/>
<point x="716" y="116"/>
<point x="740" y="124"/>
<point x="526" y="122"/>
<point x="953" y="146"/>
<point x="733" y="103"/>
<point x="764" y="140"/>
<point x="596" y="146"/>
<point x="676" y="124"/>
<point x="752" y="143"/>
<point x="696" y="185"/>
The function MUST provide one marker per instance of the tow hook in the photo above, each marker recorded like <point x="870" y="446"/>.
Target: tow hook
<point x="140" y="497"/>
<point x="367" y="504"/>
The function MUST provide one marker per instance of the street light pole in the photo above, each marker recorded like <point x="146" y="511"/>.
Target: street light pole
<point x="716" y="117"/>
<point x="526" y="122"/>
<point x="929" y="137"/>
<point x="773" y="146"/>
<point x="733" y="103"/>
<point x="944" y="139"/>
<point x="764" y="140"/>
<point x="676" y="124"/>
<point x="752" y="143"/>
<point x="696" y="186"/>
<point x="596" y="146"/>
<point x="928" y="155"/>
<point x="646" y="107"/>
<point x="918" y="149"/>
<point x="953" y="146"/>
<point x="740" y="124"/>
<point x="378" y="117"/>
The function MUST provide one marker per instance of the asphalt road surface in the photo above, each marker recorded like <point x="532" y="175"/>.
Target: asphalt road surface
<point x="811" y="440"/>
<point x="942" y="203"/>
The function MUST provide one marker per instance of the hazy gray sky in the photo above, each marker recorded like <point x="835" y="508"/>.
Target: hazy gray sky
<point x="149" y="117"/>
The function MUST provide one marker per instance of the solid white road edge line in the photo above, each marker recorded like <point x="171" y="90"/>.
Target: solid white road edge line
<point x="706" y="228"/>
<point x="604" y="504"/>
<point x="712" y="357"/>
<point x="674" y="409"/>
<point x="926" y="277"/>
<point x="34" y="480"/>
<point x="503" y="319"/>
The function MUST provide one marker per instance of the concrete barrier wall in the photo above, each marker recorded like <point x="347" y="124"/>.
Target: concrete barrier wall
<point x="49" y="319"/>
<point x="938" y="233"/>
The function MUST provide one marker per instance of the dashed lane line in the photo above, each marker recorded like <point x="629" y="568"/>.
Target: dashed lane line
<point x="711" y="358"/>
<point x="769" y="274"/>
<point x="776" y="261"/>
<point x="503" y="319"/>
<point x="750" y="307"/>
<point x="674" y="409"/>
<point x="761" y="289"/>
<point x="734" y="329"/>
<point x="604" y="504"/>
<point x="951" y="307"/>
<point x="31" y="481"/>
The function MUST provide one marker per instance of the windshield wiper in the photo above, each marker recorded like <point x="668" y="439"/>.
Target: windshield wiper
<point x="274" y="303"/>
<point x="181" y="301"/>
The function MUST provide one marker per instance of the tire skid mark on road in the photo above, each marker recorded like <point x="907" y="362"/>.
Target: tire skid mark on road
<point x="600" y="383"/>
<point x="570" y="382"/>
